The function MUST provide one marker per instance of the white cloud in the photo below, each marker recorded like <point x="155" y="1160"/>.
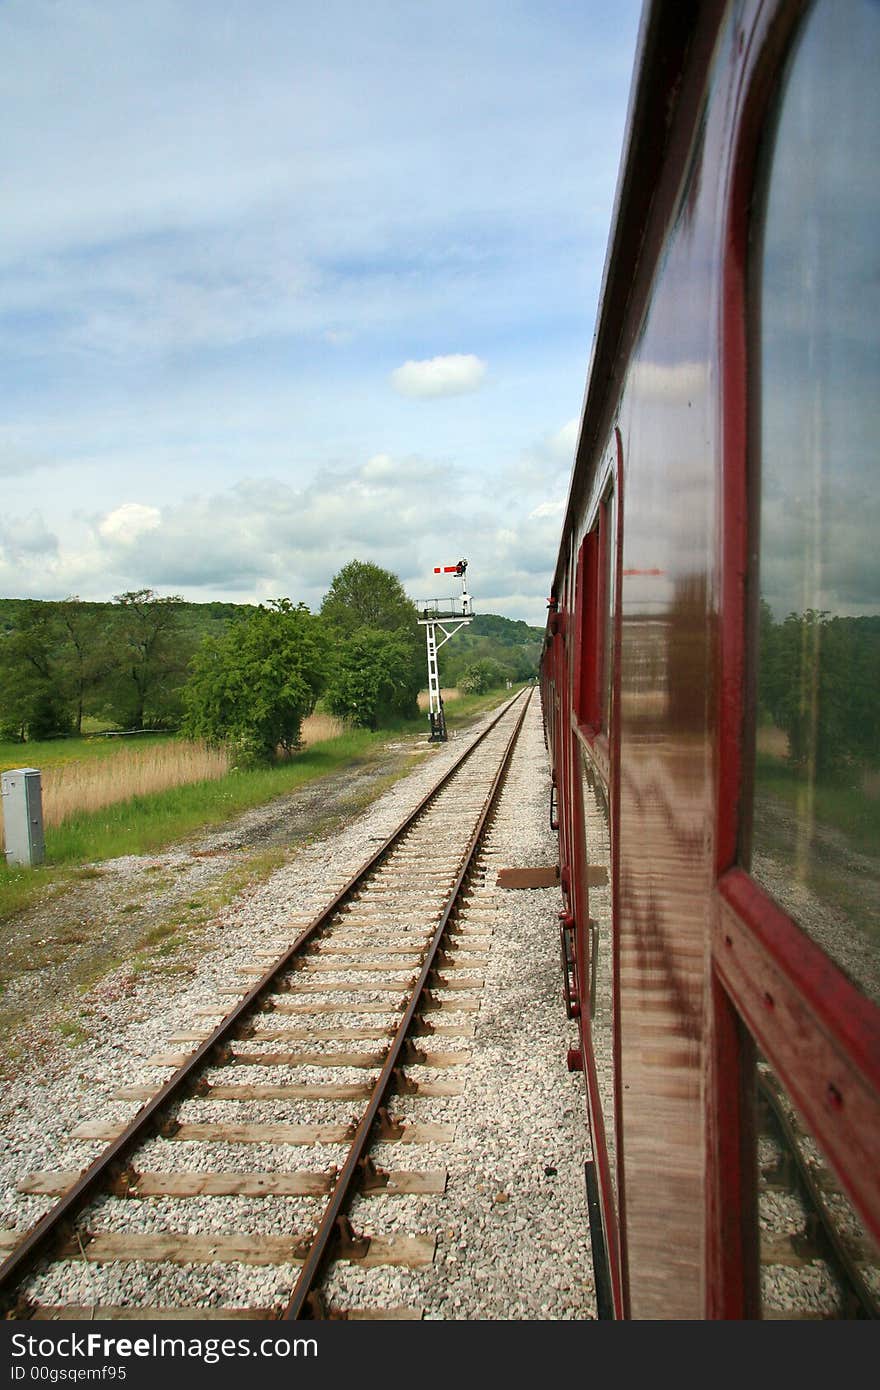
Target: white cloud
<point x="546" y="509"/>
<point x="455" y="375"/>
<point x="379" y="466"/>
<point x="264" y="538"/>
<point x="20" y="540"/>
<point x="128" y="523"/>
<point x="564" y="442"/>
<point x="219" y="233"/>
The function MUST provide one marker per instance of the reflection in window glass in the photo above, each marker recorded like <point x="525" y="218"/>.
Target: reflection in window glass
<point x="610" y="550"/>
<point x="817" y="783"/>
<point x="601" y="951"/>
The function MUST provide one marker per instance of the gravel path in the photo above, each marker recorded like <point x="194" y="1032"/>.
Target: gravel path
<point x="54" y="956"/>
<point x="513" y="1238"/>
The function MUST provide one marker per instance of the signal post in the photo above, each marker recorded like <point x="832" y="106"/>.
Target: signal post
<point x="449" y="616"/>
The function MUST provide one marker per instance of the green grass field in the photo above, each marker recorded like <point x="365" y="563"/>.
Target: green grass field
<point x="147" y="824"/>
<point x="58" y="751"/>
<point x="144" y="825"/>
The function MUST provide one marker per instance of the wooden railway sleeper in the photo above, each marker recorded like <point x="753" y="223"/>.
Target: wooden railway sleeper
<point x="67" y="1233"/>
<point x="216" y="1051"/>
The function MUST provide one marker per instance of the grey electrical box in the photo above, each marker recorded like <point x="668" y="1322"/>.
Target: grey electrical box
<point x="23" y="815"/>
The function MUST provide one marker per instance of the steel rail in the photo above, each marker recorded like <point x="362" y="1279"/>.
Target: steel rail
<point x="328" y="1235"/>
<point x="35" y="1243"/>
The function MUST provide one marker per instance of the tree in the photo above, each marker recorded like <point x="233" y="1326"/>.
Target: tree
<point x="88" y="652"/>
<point x="818" y="678"/>
<point x="252" y="687"/>
<point x="513" y="644"/>
<point x="153" y="659"/>
<point x="372" y="677"/>
<point x="34" y="700"/>
<point x="365" y="599"/>
<point x="364" y="595"/>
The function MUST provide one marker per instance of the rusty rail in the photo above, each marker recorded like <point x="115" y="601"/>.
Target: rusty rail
<point x="90" y="1182"/>
<point x="333" y="1228"/>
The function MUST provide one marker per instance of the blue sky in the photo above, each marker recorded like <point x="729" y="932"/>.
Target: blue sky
<point x="287" y="284"/>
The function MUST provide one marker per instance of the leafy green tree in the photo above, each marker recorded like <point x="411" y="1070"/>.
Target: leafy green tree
<point x="372" y="677"/>
<point x="818" y="679"/>
<point x="34" y="697"/>
<point x="514" y="644"/>
<point x="88" y="653"/>
<point x="252" y="686"/>
<point x="364" y="595"/>
<point x="153" y="659"/>
<point x="864" y="689"/>
<point x="363" y="605"/>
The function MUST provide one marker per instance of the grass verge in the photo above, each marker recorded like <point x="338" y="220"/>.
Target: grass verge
<point x="148" y="824"/>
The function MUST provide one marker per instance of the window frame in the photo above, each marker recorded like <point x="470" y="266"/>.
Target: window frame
<point x="596" y="608"/>
<point x="777" y="986"/>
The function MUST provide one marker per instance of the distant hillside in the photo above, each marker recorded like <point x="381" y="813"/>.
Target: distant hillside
<point x="197" y="619"/>
<point x="512" y="643"/>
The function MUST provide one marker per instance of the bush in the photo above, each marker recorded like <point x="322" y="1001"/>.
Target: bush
<point x="252" y="687"/>
<point x="482" y="677"/>
<point x="373" y="676"/>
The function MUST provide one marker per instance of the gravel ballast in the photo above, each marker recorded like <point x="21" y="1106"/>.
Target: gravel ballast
<point x="511" y="1231"/>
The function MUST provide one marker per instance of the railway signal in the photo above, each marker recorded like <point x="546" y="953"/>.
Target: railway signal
<point x="450" y="616"/>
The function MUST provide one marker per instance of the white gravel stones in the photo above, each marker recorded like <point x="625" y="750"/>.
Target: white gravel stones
<point x="512" y="1239"/>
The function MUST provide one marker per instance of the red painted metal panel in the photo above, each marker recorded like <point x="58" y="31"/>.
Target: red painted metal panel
<point x="819" y="1033"/>
<point x="732" y="1282"/>
<point x="707" y="966"/>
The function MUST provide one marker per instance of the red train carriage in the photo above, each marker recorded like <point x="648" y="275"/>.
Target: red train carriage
<point x="712" y="662"/>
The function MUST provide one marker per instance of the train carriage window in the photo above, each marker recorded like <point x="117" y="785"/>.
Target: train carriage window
<point x="594" y="620"/>
<point x="586" y="690"/>
<point x="815" y="838"/>
<point x="608" y="542"/>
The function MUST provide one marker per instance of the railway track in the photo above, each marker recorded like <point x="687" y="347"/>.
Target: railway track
<point x="370" y="1003"/>
<point x="812" y="1242"/>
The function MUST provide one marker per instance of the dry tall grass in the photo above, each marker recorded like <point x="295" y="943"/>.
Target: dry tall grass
<point x="74" y="787"/>
<point x="447" y="693"/>
<point x="319" y="727"/>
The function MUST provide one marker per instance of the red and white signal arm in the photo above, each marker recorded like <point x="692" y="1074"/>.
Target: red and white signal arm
<point x="451" y="569"/>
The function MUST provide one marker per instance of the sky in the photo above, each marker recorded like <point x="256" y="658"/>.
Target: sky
<point x="287" y="284"/>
